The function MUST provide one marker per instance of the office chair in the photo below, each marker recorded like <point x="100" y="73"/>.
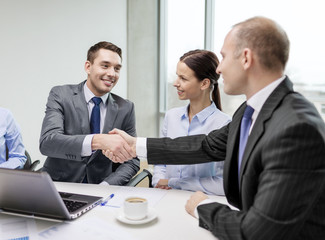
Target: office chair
<point x="138" y="178"/>
<point x="29" y="165"/>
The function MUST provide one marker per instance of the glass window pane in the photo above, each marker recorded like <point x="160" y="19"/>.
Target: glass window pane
<point x="185" y="31"/>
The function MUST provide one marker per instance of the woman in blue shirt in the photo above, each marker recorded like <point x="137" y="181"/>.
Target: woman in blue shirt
<point x="196" y="81"/>
<point x="12" y="150"/>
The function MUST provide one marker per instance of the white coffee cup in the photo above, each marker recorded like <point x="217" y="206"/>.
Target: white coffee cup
<point x="135" y="208"/>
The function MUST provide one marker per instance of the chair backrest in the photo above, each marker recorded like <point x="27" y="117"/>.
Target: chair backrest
<point x="30" y="165"/>
<point x="28" y="162"/>
<point x="138" y="178"/>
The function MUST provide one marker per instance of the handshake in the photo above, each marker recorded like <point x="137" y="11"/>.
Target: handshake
<point x="117" y="145"/>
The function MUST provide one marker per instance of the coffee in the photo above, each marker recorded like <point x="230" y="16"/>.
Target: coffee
<point x="136" y="200"/>
<point x="135" y="208"/>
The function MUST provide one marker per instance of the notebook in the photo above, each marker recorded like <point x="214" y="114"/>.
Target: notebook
<point x="34" y="193"/>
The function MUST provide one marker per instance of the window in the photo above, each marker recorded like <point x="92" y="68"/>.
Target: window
<point x="182" y="31"/>
<point x="302" y="21"/>
<point x="188" y="24"/>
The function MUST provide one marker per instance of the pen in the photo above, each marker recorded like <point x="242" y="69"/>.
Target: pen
<point x="103" y="203"/>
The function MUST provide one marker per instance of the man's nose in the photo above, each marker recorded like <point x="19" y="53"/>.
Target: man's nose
<point x="111" y="71"/>
<point x="218" y="70"/>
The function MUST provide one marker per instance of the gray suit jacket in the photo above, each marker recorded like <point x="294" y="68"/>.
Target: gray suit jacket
<point x="282" y="176"/>
<point x="65" y="125"/>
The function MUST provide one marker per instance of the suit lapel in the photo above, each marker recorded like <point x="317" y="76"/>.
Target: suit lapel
<point x="111" y="114"/>
<point x="80" y="105"/>
<point x="273" y="101"/>
<point x="231" y="165"/>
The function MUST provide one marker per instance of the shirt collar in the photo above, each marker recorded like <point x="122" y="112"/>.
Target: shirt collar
<point x="89" y="95"/>
<point x="201" y="116"/>
<point x="259" y="98"/>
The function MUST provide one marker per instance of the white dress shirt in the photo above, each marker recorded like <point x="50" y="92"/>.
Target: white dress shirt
<point x="86" y="145"/>
<point x="258" y="99"/>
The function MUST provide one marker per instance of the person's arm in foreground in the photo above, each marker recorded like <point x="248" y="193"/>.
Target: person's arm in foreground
<point x="281" y="204"/>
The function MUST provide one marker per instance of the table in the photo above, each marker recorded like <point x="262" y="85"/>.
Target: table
<point x="173" y="222"/>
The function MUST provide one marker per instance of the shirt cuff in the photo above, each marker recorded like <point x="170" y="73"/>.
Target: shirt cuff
<point x="141" y="147"/>
<point x="205" y="201"/>
<point x="86" y="146"/>
<point x="104" y="183"/>
<point x="173" y="183"/>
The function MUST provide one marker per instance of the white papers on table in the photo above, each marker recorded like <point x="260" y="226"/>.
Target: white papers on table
<point x="153" y="195"/>
<point x="18" y="228"/>
<point x="88" y="228"/>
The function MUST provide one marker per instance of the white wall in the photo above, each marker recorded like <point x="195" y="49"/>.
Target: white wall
<point x="143" y="58"/>
<point x="44" y="43"/>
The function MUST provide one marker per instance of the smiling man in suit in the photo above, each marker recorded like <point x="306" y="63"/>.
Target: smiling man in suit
<point x="274" y="148"/>
<point x="78" y="118"/>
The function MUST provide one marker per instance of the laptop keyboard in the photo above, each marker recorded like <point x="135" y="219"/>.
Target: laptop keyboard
<point x="73" y="205"/>
<point x="65" y="195"/>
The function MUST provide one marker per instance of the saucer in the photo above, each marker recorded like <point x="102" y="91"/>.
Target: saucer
<point x="152" y="214"/>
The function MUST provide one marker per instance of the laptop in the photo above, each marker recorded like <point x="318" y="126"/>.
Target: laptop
<point x="34" y="193"/>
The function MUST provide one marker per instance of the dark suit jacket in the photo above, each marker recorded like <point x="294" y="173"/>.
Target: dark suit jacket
<point x="282" y="176"/>
<point x="65" y="126"/>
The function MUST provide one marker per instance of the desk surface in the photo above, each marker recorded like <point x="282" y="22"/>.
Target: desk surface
<point x="173" y="222"/>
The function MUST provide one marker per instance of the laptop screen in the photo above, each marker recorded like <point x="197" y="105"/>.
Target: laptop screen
<point x="34" y="193"/>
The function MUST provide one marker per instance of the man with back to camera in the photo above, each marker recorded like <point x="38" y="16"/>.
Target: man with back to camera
<point x="274" y="148"/>
<point x="77" y="118"/>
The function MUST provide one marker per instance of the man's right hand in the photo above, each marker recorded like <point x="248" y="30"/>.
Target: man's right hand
<point x="117" y="157"/>
<point x="120" y="149"/>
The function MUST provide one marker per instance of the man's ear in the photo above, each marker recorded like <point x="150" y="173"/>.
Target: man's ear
<point x="247" y="58"/>
<point x="87" y="67"/>
<point x="205" y="83"/>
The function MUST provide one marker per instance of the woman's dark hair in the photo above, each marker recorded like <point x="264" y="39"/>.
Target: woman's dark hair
<point x="204" y="63"/>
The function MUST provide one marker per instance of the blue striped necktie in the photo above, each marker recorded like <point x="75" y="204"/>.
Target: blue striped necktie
<point x="246" y="123"/>
<point x="95" y="116"/>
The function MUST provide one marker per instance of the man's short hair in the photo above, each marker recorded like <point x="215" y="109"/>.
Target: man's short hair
<point x="266" y="38"/>
<point x="92" y="52"/>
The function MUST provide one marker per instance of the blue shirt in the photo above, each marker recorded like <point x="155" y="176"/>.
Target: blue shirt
<point x="10" y="137"/>
<point x="206" y="177"/>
